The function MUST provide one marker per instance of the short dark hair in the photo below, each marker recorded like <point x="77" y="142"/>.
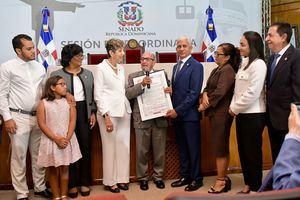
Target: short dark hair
<point x="234" y="53"/>
<point x="68" y="52"/>
<point x="284" y="28"/>
<point x="256" y="46"/>
<point x="113" y="44"/>
<point x="48" y="93"/>
<point x="17" y="43"/>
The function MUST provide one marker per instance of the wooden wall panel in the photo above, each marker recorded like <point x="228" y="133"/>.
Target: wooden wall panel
<point x="288" y="11"/>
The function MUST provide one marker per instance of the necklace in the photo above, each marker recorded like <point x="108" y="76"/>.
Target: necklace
<point x="113" y="67"/>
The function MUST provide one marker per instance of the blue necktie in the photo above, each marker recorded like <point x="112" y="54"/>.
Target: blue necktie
<point x="178" y="68"/>
<point x="273" y="65"/>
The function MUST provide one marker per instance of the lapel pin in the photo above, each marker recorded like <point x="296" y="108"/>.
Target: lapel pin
<point x="285" y="58"/>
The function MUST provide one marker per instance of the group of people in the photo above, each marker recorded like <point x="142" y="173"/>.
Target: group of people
<point x="54" y="116"/>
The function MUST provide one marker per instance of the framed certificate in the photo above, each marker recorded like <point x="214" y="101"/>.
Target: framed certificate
<point x="154" y="102"/>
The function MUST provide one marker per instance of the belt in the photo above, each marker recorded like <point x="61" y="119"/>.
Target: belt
<point x="32" y="113"/>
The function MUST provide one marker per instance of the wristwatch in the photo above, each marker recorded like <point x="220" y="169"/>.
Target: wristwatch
<point x="104" y="115"/>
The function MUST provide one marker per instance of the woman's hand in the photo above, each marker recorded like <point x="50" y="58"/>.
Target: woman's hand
<point x="231" y="113"/>
<point x="201" y="107"/>
<point x="92" y="120"/>
<point x="205" y="100"/>
<point x="108" y="124"/>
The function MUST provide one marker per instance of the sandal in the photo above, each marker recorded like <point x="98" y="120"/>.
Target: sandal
<point x="225" y="187"/>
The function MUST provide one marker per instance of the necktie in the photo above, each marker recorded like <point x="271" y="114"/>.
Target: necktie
<point x="273" y="65"/>
<point x="178" y="68"/>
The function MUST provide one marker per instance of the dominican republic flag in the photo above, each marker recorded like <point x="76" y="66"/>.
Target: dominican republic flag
<point x="210" y="40"/>
<point x="46" y="52"/>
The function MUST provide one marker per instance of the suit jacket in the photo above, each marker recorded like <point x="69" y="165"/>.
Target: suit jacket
<point x="87" y="80"/>
<point x="132" y="92"/>
<point x="186" y="90"/>
<point x="286" y="170"/>
<point x="109" y="92"/>
<point x="219" y="88"/>
<point x="284" y="88"/>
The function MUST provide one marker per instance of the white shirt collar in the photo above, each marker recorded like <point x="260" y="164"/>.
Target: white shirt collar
<point x="185" y="59"/>
<point x="282" y="51"/>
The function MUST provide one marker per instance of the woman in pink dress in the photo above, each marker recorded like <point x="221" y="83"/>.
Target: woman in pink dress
<point x="58" y="146"/>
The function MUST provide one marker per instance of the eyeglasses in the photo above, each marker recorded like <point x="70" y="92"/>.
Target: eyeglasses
<point x="61" y="84"/>
<point x="219" y="54"/>
<point x="79" y="56"/>
<point x="146" y="59"/>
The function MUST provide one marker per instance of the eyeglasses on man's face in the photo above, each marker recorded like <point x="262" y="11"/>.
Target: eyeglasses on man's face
<point x="146" y="59"/>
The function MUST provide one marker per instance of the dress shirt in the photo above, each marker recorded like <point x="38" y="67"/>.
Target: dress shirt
<point x="281" y="52"/>
<point x="184" y="60"/>
<point x="21" y="85"/>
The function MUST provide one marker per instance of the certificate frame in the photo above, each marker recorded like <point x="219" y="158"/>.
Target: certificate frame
<point x="154" y="102"/>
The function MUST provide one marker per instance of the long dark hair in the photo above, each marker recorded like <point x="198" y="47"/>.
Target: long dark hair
<point x="256" y="46"/>
<point x="48" y="93"/>
<point x="234" y="53"/>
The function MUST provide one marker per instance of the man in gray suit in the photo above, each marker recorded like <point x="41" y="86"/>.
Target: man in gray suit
<point x="150" y="131"/>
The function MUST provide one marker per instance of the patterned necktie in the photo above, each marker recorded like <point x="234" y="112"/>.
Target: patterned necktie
<point x="273" y="65"/>
<point x="178" y="68"/>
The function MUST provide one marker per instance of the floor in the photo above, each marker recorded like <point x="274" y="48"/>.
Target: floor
<point x="134" y="192"/>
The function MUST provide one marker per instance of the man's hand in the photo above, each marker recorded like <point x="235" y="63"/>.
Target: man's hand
<point x="70" y="99"/>
<point x="168" y="90"/>
<point x="146" y="80"/>
<point x="201" y="108"/>
<point x="171" y="113"/>
<point x="294" y="120"/>
<point x="205" y="100"/>
<point x="10" y="126"/>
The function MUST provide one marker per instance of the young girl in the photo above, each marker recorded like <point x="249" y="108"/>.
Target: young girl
<point x="59" y="146"/>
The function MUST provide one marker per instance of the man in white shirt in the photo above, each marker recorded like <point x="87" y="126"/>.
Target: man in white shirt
<point x="21" y="81"/>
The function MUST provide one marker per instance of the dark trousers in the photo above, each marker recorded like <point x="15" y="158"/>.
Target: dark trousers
<point x="276" y="139"/>
<point x="189" y="145"/>
<point x="80" y="171"/>
<point x="249" y="129"/>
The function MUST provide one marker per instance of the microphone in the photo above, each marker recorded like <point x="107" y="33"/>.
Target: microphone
<point x="147" y="74"/>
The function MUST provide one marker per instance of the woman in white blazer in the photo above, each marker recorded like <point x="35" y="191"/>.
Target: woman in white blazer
<point x="249" y="106"/>
<point x="113" y="117"/>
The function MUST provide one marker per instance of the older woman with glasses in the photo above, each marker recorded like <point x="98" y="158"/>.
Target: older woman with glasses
<point x="215" y="102"/>
<point x="80" y="83"/>
<point x="113" y="116"/>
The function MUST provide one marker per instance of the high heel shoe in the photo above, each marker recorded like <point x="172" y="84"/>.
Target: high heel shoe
<point x="228" y="183"/>
<point x="224" y="187"/>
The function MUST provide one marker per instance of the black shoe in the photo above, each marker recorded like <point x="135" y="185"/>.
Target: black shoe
<point x="160" y="184"/>
<point x="85" y="193"/>
<point x="180" y="182"/>
<point x="194" y="185"/>
<point x="109" y="188"/>
<point x="24" y="198"/>
<point x="123" y="186"/>
<point x="73" y="192"/>
<point x="46" y="194"/>
<point x="144" y="185"/>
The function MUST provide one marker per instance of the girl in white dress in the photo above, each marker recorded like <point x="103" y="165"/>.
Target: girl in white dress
<point x="58" y="146"/>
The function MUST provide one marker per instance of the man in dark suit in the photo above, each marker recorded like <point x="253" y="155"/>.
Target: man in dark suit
<point x="283" y="82"/>
<point x="153" y="131"/>
<point x="286" y="170"/>
<point x="187" y="81"/>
